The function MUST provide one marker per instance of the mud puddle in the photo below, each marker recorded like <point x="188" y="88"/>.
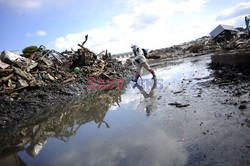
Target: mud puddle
<point x="179" y="119"/>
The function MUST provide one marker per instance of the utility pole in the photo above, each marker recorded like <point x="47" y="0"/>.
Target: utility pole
<point x="247" y="19"/>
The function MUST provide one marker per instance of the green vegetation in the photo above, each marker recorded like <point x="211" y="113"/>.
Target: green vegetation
<point x="28" y="51"/>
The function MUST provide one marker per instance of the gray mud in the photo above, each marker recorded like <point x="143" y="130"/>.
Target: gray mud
<point x="193" y="114"/>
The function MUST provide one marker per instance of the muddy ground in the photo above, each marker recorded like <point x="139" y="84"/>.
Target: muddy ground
<point x="32" y="102"/>
<point x="29" y="103"/>
<point x="197" y="114"/>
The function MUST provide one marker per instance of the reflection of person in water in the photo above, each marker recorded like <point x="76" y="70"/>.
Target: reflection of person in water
<point x="148" y="96"/>
<point x="34" y="148"/>
<point x="118" y="99"/>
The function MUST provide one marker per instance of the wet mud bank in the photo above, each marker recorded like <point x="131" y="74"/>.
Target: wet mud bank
<point x="32" y="103"/>
<point x="61" y="121"/>
<point x="235" y="81"/>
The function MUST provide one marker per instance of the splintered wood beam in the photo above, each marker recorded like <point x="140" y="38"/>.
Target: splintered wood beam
<point x="6" y="78"/>
<point x="86" y="38"/>
<point x="69" y="80"/>
<point x="82" y="45"/>
<point x="6" y="70"/>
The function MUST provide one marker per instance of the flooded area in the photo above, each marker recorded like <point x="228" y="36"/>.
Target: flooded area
<point x="179" y="119"/>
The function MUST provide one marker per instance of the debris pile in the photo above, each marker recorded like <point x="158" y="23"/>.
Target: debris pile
<point x="46" y="66"/>
<point x="237" y="43"/>
<point x="201" y="46"/>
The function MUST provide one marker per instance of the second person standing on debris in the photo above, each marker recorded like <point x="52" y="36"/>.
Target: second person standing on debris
<point x="140" y="62"/>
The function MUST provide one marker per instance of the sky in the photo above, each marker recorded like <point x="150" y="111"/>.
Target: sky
<point x="113" y="24"/>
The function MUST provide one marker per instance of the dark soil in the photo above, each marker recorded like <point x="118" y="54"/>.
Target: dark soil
<point x="28" y="103"/>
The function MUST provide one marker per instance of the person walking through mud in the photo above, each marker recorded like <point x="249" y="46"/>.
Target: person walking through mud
<point x="140" y="62"/>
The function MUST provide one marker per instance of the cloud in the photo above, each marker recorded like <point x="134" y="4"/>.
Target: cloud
<point x="148" y="147"/>
<point x="143" y="21"/>
<point x="30" y="34"/>
<point x="38" y="33"/>
<point x="169" y="7"/>
<point x="147" y="25"/>
<point x="239" y="10"/>
<point x="238" y="21"/>
<point x="41" y="33"/>
<point x="33" y="4"/>
<point x="234" y="16"/>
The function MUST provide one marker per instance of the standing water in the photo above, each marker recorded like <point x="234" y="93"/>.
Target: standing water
<point x="178" y="119"/>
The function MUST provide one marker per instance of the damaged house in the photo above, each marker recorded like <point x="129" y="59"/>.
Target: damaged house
<point x="223" y="33"/>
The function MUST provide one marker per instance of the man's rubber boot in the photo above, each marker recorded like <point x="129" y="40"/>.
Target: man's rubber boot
<point x="135" y="78"/>
<point x="153" y="73"/>
<point x="135" y="85"/>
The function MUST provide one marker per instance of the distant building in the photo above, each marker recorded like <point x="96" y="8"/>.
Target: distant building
<point x="223" y="33"/>
<point x="13" y="51"/>
<point x="123" y="56"/>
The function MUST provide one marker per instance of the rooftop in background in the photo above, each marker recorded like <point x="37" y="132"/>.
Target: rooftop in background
<point x="220" y="28"/>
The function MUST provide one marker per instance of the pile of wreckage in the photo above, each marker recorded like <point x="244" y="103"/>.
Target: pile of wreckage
<point x="49" y="66"/>
<point x="237" y="43"/>
<point x="228" y="37"/>
<point x="221" y="39"/>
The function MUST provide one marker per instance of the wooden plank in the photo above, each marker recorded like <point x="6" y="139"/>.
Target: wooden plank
<point x="3" y="65"/>
<point x="6" y="70"/>
<point x="6" y="78"/>
<point x="68" y="80"/>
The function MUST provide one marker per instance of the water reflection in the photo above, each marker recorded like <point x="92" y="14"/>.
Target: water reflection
<point x="35" y="147"/>
<point x="140" y="144"/>
<point x="149" y="97"/>
<point x="152" y="147"/>
<point x="112" y="129"/>
<point x="60" y="124"/>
